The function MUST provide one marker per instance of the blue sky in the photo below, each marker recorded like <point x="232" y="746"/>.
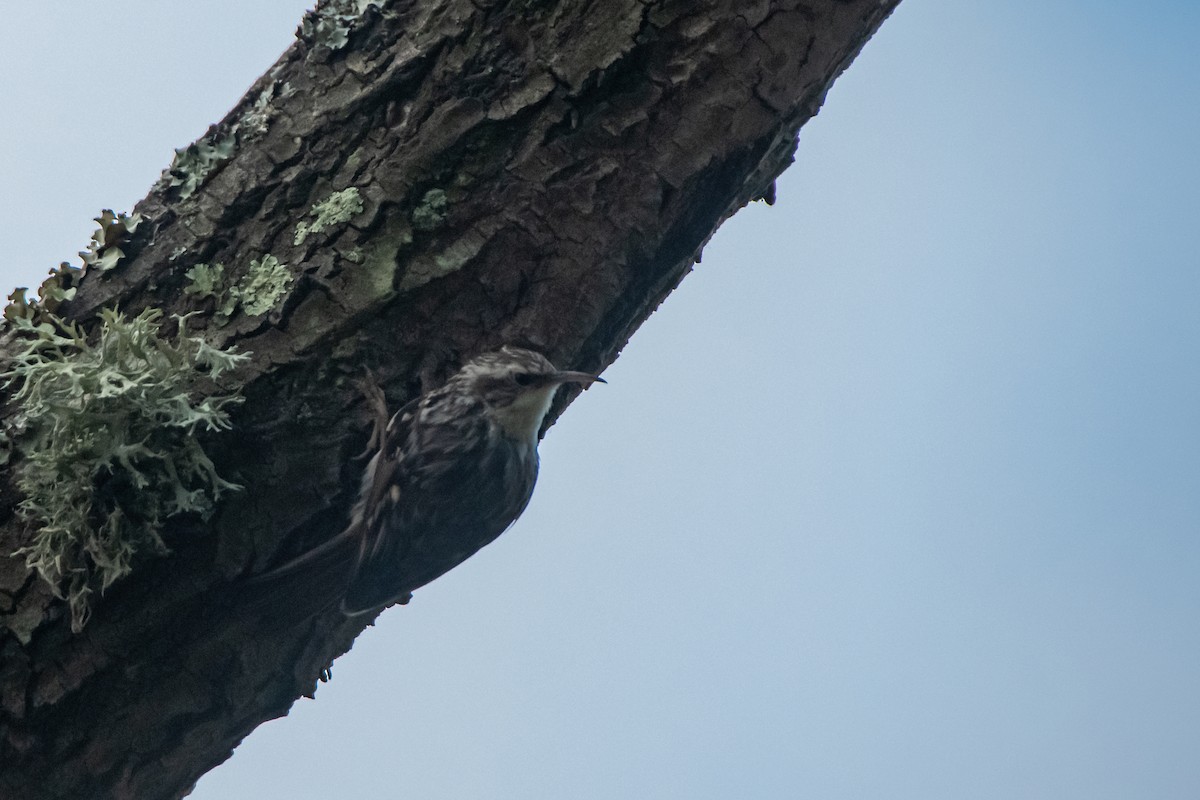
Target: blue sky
<point x="897" y="496"/>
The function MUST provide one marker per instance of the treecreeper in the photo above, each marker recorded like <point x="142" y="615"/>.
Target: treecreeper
<point x="450" y="471"/>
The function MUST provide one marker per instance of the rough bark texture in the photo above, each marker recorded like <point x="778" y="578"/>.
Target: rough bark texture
<point x="542" y="173"/>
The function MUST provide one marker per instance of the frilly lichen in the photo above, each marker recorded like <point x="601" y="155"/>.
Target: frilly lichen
<point x="430" y="213"/>
<point x="107" y="434"/>
<point x="193" y="164"/>
<point x="265" y="283"/>
<point x="206" y="280"/>
<point x="330" y="23"/>
<point x="257" y="121"/>
<point x="104" y="250"/>
<point x="338" y="208"/>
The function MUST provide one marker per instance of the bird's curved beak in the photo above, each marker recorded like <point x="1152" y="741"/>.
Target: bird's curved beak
<point x="567" y="376"/>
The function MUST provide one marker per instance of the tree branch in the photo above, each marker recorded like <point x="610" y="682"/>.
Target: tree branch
<point x="528" y="172"/>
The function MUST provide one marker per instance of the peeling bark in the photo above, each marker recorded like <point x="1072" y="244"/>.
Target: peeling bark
<point x="530" y="172"/>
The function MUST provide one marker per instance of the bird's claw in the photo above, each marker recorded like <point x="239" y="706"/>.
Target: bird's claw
<point x="377" y="401"/>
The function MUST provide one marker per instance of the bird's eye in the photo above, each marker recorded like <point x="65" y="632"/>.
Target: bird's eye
<point x="524" y="378"/>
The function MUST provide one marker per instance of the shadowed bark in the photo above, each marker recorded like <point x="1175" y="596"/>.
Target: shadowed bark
<point x="538" y="173"/>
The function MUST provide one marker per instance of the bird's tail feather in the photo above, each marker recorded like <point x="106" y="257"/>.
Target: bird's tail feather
<point x="305" y="586"/>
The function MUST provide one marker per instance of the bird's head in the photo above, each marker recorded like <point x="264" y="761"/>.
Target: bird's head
<point x="517" y="385"/>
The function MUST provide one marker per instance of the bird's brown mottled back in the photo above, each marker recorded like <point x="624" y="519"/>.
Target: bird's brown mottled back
<point x="454" y="468"/>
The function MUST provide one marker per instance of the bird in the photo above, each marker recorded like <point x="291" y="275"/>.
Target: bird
<point x="450" y="471"/>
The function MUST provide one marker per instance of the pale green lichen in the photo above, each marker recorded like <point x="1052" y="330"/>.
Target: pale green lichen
<point x="193" y="164"/>
<point x="338" y="208"/>
<point x="373" y="279"/>
<point x="104" y="250"/>
<point x="431" y="212"/>
<point x="263" y="286"/>
<point x="19" y="306"/>
<point x="107" y="431"/>
<point x="57" y="294"/>
<point x="56" y="289"/>
<point x="205" y="280"/>
<point x="330" y="23"/>
<point x="450" y="259"/>
<point x="257" y="121"/>
<point x="257" y="292"/>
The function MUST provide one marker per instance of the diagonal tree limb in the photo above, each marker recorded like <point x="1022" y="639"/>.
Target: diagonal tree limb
<point x="542" y="173"/>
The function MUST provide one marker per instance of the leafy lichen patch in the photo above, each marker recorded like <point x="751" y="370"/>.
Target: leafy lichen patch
<point x="265" y="283"/>
<point x="263" y="286"/>
<point x="337" y="209"/>
<point x="330" y="23"/>
<point x="19" y="306"/>
<point x="56" y="289"/>
<point x="430" y="213"/>
<point x="193" y="164"/>
<point x="107" y="431"/>
<point x="104" y="250"/>
<point x="257" y="121"/>
<point x="206" y="280"/>
<point x="447" y="261"/>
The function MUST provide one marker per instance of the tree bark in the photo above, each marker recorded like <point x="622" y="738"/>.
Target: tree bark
<point x="538" y="173"/>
